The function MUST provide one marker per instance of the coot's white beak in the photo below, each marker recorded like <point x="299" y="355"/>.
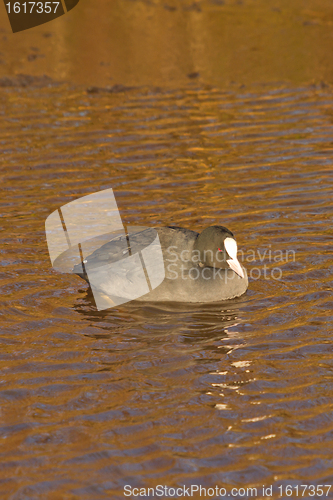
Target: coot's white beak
<point x="231" y="247"/>
<point x="235" y="266"/>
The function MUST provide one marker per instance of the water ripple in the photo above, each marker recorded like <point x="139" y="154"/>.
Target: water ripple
<point x="236" y="393"/>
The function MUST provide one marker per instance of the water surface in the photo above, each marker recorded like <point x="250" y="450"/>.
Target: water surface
<point x="236" y="393"/>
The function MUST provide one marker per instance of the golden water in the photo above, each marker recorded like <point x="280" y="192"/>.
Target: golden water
<point x="236" y="394"/>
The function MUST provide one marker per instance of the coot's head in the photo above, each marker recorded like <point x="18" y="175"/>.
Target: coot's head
<point x="217" y="247"/>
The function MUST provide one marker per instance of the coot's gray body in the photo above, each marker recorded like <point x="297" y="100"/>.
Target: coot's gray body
<point x="198" y="267"/>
